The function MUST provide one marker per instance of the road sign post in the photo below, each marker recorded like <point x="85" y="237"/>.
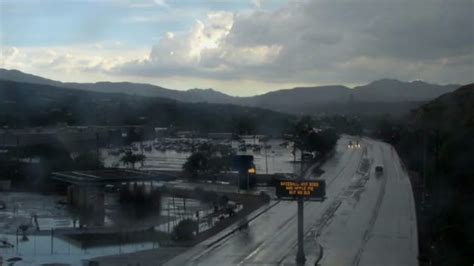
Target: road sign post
<point x="300" y="257"/>
<point x="301" y="190"/>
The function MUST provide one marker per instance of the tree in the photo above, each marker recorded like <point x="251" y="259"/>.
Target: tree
<point x="186" y="229"/>
<point x="303" y="126"/>
<point x="324" y="141"/>
<point x="308" y="138"/>
<point x="23" y="228"/>
<point x="140" y="158"/>
<point x="301" y="131"/>
<point x="127" y="158"/>
<point x="209" y="159"/>
<point x="131" y="159"/>
<point x="196" y="164"/>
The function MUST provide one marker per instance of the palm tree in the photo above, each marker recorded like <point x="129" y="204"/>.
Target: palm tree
<point x="23" y="229"/>
<point x="131" y="159"/>
<point x="139" y="158"/>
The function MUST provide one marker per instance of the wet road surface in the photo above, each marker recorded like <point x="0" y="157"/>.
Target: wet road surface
<point x="366" y="219"/>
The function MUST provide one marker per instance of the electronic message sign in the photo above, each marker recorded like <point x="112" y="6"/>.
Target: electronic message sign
<point x="292" y="189"/>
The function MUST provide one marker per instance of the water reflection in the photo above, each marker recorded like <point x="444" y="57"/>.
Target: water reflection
<point x="276" y="158"/>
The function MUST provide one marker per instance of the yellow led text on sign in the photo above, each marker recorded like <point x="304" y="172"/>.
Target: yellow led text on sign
<point x="305" y="188"/>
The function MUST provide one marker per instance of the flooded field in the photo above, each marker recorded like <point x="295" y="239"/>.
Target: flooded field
<point x="48" y="220"/>
<point x="48" y="242"/>
<point x="41" y="249"/>
<point x="276" y="158"/>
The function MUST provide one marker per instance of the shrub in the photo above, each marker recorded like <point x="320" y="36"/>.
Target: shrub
<point x="186" y="230"/>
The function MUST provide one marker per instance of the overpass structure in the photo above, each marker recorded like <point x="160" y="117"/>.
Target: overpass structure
<point x="87" y="188"/>
<point x="111" y="176"/>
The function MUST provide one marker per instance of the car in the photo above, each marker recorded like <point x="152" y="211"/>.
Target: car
<point x="3" y="205"/>
<point x="379" y="170"/>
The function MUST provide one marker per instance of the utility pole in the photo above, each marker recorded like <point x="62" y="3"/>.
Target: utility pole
<point x="97" y="154"/>
<point x="424" y="167"/>
<point x="266" y="157"/>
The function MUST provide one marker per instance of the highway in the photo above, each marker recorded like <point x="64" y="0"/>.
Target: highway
<point x="366" y="219"/>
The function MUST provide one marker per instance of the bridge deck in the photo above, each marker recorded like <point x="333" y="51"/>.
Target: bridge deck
<point x="110" y="176"/>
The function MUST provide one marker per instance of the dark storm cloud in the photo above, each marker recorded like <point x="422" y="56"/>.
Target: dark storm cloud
<point x="326" y="41"/>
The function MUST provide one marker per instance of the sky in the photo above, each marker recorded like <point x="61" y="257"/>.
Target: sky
<point x="240" y="47"/>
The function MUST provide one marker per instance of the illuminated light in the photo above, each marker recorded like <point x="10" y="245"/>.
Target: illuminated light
<point x="302" y="188"/>
<point x="252" y="170"/>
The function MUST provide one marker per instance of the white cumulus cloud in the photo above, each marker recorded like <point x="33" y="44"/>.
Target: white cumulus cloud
<point x="322" y="42"/>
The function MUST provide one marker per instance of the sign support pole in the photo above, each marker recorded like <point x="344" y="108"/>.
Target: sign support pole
<point x="300" y="257"/>
<point x="299" y="190"/>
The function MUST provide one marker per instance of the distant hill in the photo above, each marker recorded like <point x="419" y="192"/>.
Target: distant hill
<point x="297" y="99"/>
<point x="382" y="96"/>
<point x="27" y="105"/>
<point x="450" y="112"/>
<point x="391" y="90"/>
<point x="148" y="90"/>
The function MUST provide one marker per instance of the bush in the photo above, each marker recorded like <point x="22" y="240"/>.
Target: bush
<point x="186" y="230"/>
<point x="209" y="160"/>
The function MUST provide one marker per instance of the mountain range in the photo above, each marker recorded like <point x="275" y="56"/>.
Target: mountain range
<point x="385" y="95"/>
<point x="25" y="105"/>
